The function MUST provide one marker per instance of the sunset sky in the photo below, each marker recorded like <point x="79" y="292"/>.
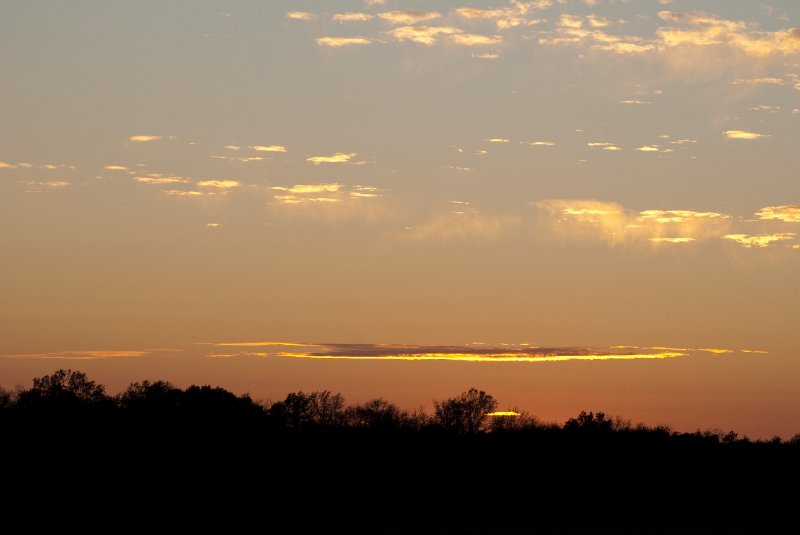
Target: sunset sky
<point x="571" y="204"/>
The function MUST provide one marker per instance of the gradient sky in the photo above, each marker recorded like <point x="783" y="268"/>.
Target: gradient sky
<point x="582" y="178"/>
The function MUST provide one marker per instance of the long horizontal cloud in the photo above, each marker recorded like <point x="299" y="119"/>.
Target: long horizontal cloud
<point x="79" y="355"/>
<point x="503" y="353"/>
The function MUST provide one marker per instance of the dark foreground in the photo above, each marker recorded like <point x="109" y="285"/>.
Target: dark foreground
<point x="208" y="461"/>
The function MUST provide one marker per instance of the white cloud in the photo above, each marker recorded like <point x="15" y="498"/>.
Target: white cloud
<point x="337" y="42"/>
<point x="744" y="135"/>
<point x="300" y="15"/>
<point x="352" y="17"/>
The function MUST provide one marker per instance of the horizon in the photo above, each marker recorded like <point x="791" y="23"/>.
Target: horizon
<point x="570" y="204"/>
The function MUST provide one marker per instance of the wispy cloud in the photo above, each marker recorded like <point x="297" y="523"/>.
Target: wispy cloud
<point x="471" y="39"/>
<point x="144" y="138"/>
<point x="461" y="225"/>
<point x="591" y="219"/>
<point x="789" y="213"/>
<point x="408" y="17"/>
<point x="79" y="355"/>
<point x="156" y="178"/>
<point x="540" y="143"/>
<point x="758" y="81"/>
<point x="182" y="193"/>
<point x="339" y="157"/>
<point x="352" y="17"/>
<point x="300" y="15"/>
<point x="337" y="42"/>
<point x="426" y="35"/>
<point x="743" y="135"/>
<point x="219" y="184"/>
<point x="115" y="168"/>
<point x="761" y="240"/>
<point x="6" y="165"/>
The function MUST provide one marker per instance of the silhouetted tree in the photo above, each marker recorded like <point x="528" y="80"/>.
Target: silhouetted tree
<point x="299" y="409"/>
<point x="590" y="422"/>
<point x="376" y="414"/>
<point x="466" y="413"/>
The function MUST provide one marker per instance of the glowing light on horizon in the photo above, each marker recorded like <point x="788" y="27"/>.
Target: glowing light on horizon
<point x="504" y="413"/>
<point x="497" y="357"/>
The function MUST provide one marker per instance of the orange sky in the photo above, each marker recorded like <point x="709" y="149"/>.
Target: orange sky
<point x="570" y="175"/>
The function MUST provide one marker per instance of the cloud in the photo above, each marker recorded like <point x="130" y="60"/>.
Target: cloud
<point x="504" y="18"/>
<point x="758" y="81"/>
<point x="464" y="226"/>
<point x="426" y="35"/>
<point x="300" y="15"/>
<point x="181" y="193"/>
<point x="352" y="17"/>
<point x="79" y="355"/>
<point x="498" y="140"/>
<point x="611" y="222"/>
<point x="672" y="240"/>
<point x="502" y="353"/>
<point x="374" y="2"/>
<point x="408" y="17"/>
<point x="309" y="188"/>
<point x="339" y="157"/>
<point x="635" y="101"/>
<point x="156" y="178"/>
<point x="220" y="184"/>
<point x="540" y="143"/>
<point x="337" y="42"/>
<point x="648" y="148"/>
<point x="708" y="30"/>
<point x="486" y="55"/>
<point x="268" y="148"/>
<point x="766" y="108"/>
<point x="789" y="213"/>
<point x="232" y="147"/>
<point x="115" y="168"/>
<point x="470" y="39"/>
<point x="143" y="138"/>
<point x="759" y="241"/>
<point x="744" y="135"/>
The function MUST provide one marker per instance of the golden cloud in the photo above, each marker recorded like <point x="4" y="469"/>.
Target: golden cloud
<point x="789" y="213"/>
<point x="426" y="35"/>
<point x="115" y="168"/>
<point x="143" y="138"/>
<point x="309" y="188"/>
<point x="79" y="355"/>
<point x="590" y="219"/>
<point x="408" y="17"/>
<point x="471" y="39"/>
<point x="352" y="17"/>
<point x="156" y="178"/>
<point x="6" y="165"/>
<point x="268" y="148"/>
<point x="300" y="15"/>
<point x="742" y="134"/>
<point x="337" y="42"/>
<point x="181" y="193"/>
<point x="339" y="157"/>
<point x="220" y="184"/>
<point x="761" y="240"/>
<point x="540" y="143"/>
<point x="233" y="147"/>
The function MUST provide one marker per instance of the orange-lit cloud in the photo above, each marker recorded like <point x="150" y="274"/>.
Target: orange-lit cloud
<point x="589" y="219"/>
<point x="233" y="147"/>
<point x="426" y="35"/>
<point x="339" y="157"/>
<point x="115" y="168"/>
<point x="6" y="165"/>
<point x="352" y="17"/>
<point x="498" y="140"/>
<point x="79" y="355"/>
<point x="268" y="148"/>
<point x="300" y="15"/>
<point x="337" y="42"/>
<point x="220" y="184"/>
<point x="155" y="178"/>
<point x="144" y="138"/>
<point x="505" y="18"/>
<point x="788" y="213"/>
<point x="470" y="39"/>
<point x="182" y="193"/>
<point x="408" y="17"/>
<point x="742" y="134"/>
<point x="300" y="189"/>
<point x="761" y="240"/>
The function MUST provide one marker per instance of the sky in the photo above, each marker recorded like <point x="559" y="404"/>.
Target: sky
<point x="571" y="204"/>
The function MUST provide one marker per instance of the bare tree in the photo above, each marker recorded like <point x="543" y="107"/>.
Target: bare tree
<point x="466" y="413"/>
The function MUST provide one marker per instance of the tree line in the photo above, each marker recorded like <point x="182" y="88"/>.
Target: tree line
<point x="66" y="399"/>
